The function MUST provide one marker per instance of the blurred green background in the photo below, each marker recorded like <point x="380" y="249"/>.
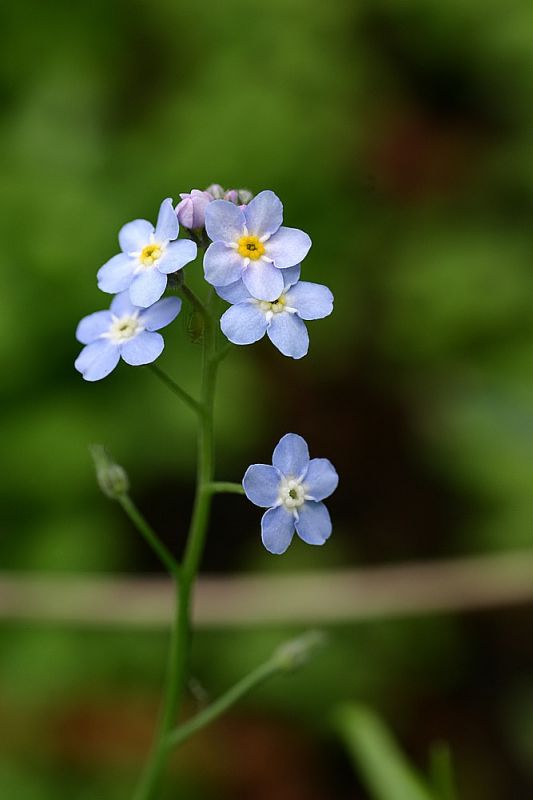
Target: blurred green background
<point x="400" y="136"/>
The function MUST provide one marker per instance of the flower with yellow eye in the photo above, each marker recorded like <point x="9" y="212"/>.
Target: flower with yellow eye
<point x="251" y="244"/>
<point x="248" y="319"/>
<point x="148" y="256"/>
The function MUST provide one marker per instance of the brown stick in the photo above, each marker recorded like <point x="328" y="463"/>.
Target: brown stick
<point x="320" y="597"/>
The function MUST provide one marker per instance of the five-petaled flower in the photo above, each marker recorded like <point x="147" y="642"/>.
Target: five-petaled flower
<point x="248" y="319"/>
<point x="252" y="244"/>
<point x="292" y="489"/>
<point x="148" y="256"/>
<point x="125" y="331"/>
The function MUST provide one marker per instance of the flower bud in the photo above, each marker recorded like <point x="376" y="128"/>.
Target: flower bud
<point x="111" y="477"/>
<point x="216" y="191"/>
<point x="191" y="209"/>
<point x="232" y="196"/>
<point x="244" y="196"/>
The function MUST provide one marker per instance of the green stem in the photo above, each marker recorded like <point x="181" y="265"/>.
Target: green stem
<point x="188" y="294"/>
<point x="289" y="656"/>
<point x="232" y="696"/>
<point x="176" y="389"/>
<point x="181" y="633"/>
<point x="148" y="533"/>
<point x="220" y="487"/>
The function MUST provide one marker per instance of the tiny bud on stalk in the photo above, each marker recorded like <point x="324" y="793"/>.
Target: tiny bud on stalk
<point x="295" y="653"/>
<point x="111" y="477"/>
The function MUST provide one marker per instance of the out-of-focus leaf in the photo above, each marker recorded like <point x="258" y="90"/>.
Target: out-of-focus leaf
<point x="384" y="769"/>
<point x="442" y="777"/>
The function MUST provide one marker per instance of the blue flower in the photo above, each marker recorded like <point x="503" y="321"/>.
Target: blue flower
<point x="251" y="243"/>
<point x="125" y="331"/>
<point x="292" y="490"/>
<point x="248" y="319"/>
<point x="148" y="256"/>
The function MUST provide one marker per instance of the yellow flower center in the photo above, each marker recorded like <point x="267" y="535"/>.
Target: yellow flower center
<point x="276" y="306"/>
<point x="150" y="254"/>
<point x="250" y="247"/>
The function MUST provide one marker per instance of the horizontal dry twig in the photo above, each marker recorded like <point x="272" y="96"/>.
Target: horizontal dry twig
<point x="318" y="597"/>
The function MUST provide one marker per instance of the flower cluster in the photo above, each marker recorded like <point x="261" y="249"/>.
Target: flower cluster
<point x="253" y="262"/>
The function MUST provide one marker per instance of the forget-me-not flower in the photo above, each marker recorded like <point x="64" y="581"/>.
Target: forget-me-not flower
<point x="292" y="489"/>
<point x="148" y="256"/>
<point x="125" y="331"/>
<point x="252" y="244"/>
<point x="248" y="319"/>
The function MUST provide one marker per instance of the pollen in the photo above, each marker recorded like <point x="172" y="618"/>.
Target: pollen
<point x="250" y="247"/>
<point x="275" y="307"/>
<point x="150" y="254"/>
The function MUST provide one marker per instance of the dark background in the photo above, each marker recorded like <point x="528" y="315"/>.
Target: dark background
<point x="400" y="136"/>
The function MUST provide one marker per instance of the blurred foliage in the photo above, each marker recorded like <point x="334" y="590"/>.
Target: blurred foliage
<point x="400" y="136"/>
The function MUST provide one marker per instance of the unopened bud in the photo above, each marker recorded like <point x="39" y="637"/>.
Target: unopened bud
<point x="216" y="191"/>
<point x="191" y="209"/>
<point x="111" y="477"/>
<point x="297" y="652"/>
<point x="244" y="196"/>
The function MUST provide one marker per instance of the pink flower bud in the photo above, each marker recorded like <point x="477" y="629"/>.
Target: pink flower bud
<point x="191" y="208"/>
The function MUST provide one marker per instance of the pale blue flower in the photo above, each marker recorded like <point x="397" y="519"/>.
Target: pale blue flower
<point x="252" y="244"/>
<point x="292" y="489"/>
<point x="148" y="256"/>
<point x="125" y="331"/>
<point x="248" y="319"/>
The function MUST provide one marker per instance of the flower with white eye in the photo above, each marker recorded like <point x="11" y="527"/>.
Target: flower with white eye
<point x="251" y="243"/>
<point x="248" y="319"/>
<point x="148" y="256"/>
<point x="125" y="331"/>
<point x="292" y="490"/>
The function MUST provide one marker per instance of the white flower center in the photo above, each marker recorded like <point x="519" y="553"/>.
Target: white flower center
<point x="124" y="328"/>
<point x="291" y="493"/>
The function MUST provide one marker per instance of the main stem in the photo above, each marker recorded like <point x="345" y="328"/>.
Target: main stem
<point x="178" y="661"/>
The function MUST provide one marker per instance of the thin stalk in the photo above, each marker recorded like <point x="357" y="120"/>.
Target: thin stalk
<point x="176" y="389"/>
<point x="218" y="707"/>
<point x="181" y="633"/>
<point x="225" y="487"/>
<point x="149" y="534"/>
<point x="287" y="657"/>
<point x="188" y="294"/>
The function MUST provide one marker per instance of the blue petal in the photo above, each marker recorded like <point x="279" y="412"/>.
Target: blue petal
<point x="313" y="524"/>
<point x="277" y="530"/>
<point x="224" y="221"/>
<point x="289" y="334"/>
<point x="222" y="264"/>
<point x="133" y="236"/>
<point x="261" y="484"/>
<point x="234" y="292"/>
<point x="116" y="274"/>
<point x="143" y="349"/>
<point x="244" y="323"/>
<point x="160" y="314"/>
<point x="288" y="247"/>
<point x="291" y="455"/>
<point x="311" y="300"/>
<point x="167" y="226"/>
<point x="97" y="360"/>
<point x="291" y="275"/>
<point x="263" y="280"/>
<point x="121" y="304"/>
<point x="93" y="326"/>
<point x="176" y="255"/>
<point x="264" y="214"/>
<point x="321" y="479"/>
<point x="147" y="287"/>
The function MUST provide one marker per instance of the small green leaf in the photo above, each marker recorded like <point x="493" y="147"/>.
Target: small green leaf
<point x="384" y="769"/>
